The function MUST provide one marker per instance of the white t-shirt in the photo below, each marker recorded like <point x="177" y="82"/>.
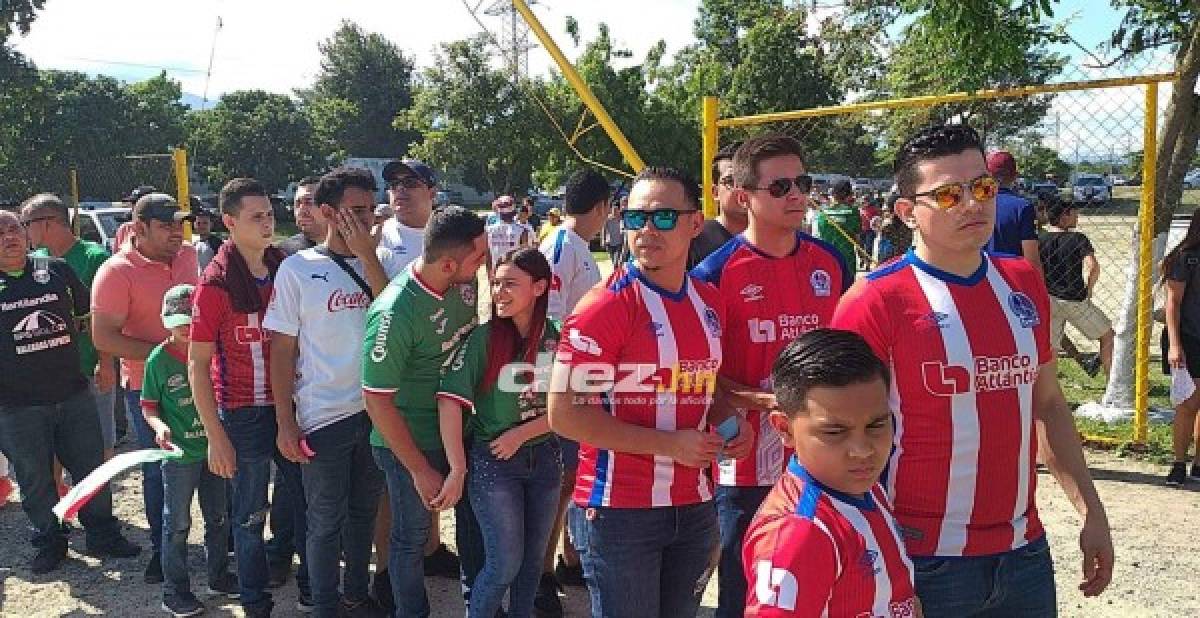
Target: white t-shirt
<point x="574" y="268"/>
<point x="408" y="243"/>
<point x="326" y="310"/>
<point x="506" y="237"/>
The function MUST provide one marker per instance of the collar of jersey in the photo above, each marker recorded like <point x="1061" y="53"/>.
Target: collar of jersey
<point x="937" y="273"/>
<point x="631" y="270"/>
<point x="798" y="470"/>
<point x="416" y="277"/>
<point x="801" y="237"/>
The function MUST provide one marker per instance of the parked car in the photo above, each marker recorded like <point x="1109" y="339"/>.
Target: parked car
<point x="1192" y="180"/>
<point x="1090" y="189"/>
<point x="862" y="186"/>
<point x="1044" y="190"/>
<point x="100" y="224"/>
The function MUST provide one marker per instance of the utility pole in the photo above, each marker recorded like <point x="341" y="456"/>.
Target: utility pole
<point x="514" y="38"/>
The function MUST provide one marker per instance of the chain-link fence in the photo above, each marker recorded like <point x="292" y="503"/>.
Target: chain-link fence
<point x="1078" y="147"/>
<point x="97" y="187"/>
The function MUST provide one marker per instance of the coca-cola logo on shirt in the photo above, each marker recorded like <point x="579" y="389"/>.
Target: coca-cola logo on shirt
<point x="341" y="300"/>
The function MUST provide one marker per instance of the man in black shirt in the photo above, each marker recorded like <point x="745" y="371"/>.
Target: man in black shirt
<point x="1065" y="255"/>
<point x="731" y="218"/>
<point x="46" y="411"/>
<point x="308" y="219"/>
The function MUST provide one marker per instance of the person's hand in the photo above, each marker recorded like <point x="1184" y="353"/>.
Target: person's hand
<point x="695" y="448"/>
<point x="428" y="483"/>
<point x="1175" y="357"/>
<point x="221" y="458"/>
<point x="106" y="377"/>
<point x="287" y="439"/>
<point x="451" y="492"/>
<point x="162" y="437"/>
<point x="1095" y="541"/>
<point x="357" y="236"/>
<point x="742" y="445"/>
<point x="506" y="445"/>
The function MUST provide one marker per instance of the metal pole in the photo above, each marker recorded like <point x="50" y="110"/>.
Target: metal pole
<point x="179" y="156"/>
<point x="1141" y="374"/>
<point x="709" y="149"/>
<point x="581" y="88"/>
<point x="73" y="176"/>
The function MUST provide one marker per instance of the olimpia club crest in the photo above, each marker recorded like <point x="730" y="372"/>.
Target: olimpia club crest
<point x="467" y="292"/>
<point x="1022" y="307"/>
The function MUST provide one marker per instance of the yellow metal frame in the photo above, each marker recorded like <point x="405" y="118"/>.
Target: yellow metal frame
<point x="581" y="88"/>
<point x="712" y="124"/>
<point x="183" y="191"/>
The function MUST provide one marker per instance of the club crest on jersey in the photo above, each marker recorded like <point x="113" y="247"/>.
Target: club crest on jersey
<point x="468" y="295"/>
<point x="820" y="282"/>
<point x="752" y="292"/>
<point x="1024" y="309"/>
<point x="711" y="321"/>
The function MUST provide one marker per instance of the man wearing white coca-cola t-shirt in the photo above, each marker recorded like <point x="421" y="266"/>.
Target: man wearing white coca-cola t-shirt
<point x="317" y="317"/>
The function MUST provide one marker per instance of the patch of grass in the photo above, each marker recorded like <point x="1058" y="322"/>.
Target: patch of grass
<point x="1079" y="388"/>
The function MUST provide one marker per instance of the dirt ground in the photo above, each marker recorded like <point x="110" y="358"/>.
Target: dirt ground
<point x="1154" y="528"/>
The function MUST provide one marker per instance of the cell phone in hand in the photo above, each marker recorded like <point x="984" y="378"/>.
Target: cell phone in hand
<point x="728" y="429"/>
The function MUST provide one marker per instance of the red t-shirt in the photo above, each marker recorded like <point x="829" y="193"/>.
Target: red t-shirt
<point x="769" y="302"/>
<point x="663" y="349"/>
<point x="964" y="354"/>
<point x="241" y="363"/>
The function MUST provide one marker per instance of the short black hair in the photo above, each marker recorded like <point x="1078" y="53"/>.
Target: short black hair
<point x="308" y="180"/>
<point x="451" y="231"/>
<point x="333" y="185"/>
<point x="823" y="357"/>
<point x="724" y="154"/>
<point x="585" y="189"/>
<point x="691" y="190"/>
<point x="842" y="188"/>
<point x="759" y="149"/>
<point x="46" y="202"/>
<point x="229" y="200"/>
<point x="932" y="142"/>
<point x="1056" y="207"/>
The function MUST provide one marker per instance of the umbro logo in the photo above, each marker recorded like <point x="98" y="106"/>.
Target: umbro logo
<point x="937" y="318"/>
<point x="323" y="276"/>
<point x="752" y="292"/>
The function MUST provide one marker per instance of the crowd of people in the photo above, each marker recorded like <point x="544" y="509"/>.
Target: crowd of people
<point x="733" y="398"/>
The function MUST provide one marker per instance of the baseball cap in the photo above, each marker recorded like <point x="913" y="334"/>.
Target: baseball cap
<point x="137" y="192"/>
<point x="393" y="169"/>
<point x="1002" y="163"/>
<point x="160" y="206"/>
<point x="177" y="306"/>
<point x="504" y="204"/>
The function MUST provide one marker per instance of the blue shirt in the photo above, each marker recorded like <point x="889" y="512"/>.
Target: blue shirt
<point x="1016" y="220"/>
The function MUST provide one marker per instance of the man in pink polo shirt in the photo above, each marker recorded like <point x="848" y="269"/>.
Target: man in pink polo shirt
<point x="127" y="297"/>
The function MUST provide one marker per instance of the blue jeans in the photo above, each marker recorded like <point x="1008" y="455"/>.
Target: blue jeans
<point x="252" y="430"/>
<point x="342" y="487"/>
<point x="411" y="522"/>
<point x="104" y="412"/>
<point x="1015" y="583"/>
<point x="181" y="481"/>
<point x="520" y="497"/>
<point x="736" y="506"/>
<point x="646" y="562"/>
<point x="31" y="437"/>
<point x="152" y="481"/>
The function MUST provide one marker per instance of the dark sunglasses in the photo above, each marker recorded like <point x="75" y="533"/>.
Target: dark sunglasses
<point x="951" y="196"/>
<point x="408" y="182"/>
<point x="780" y="187"/>
<point x="664" y="219"/>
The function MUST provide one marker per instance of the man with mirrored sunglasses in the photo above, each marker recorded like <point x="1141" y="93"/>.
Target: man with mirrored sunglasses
<point x="976" y="395"/>
<point x="778" y="283"/>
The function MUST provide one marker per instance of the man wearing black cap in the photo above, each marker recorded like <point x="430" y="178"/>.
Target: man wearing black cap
<point x="126" y="302"/>
<point x="412" y="185"/>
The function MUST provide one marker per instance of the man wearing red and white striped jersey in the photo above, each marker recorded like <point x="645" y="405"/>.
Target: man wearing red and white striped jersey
<point x="777" y="283"/>
<point x="638" y="360"/>
<point x="824" y="542"/>
<point x="229" y="370"/>
<point x="975" y="394"/>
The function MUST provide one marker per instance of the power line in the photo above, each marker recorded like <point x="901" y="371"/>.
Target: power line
<point x="132" y="64"/>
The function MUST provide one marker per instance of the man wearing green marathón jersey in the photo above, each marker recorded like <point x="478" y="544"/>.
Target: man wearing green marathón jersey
<point x="412" y="329"/>
<point x="838" y="224"/>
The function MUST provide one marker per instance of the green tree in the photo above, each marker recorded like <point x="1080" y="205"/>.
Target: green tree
<point x="17" y="16"/>
<point x="1039" y="162"/>
<point x="364" y="83"/>
<point x="252" y="133"/>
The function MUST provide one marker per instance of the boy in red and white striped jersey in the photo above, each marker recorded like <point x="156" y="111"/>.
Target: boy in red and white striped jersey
<point x="966" y="335"/>
<point x="824" y="542"/>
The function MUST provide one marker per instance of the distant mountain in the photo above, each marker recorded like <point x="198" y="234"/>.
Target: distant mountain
<point x="196" y="102"/>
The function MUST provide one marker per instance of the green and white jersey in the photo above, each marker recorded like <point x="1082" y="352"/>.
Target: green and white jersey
<point x="411" y="332"/>
<point x="502" y="406"/>
<point x="165" y="388"/>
